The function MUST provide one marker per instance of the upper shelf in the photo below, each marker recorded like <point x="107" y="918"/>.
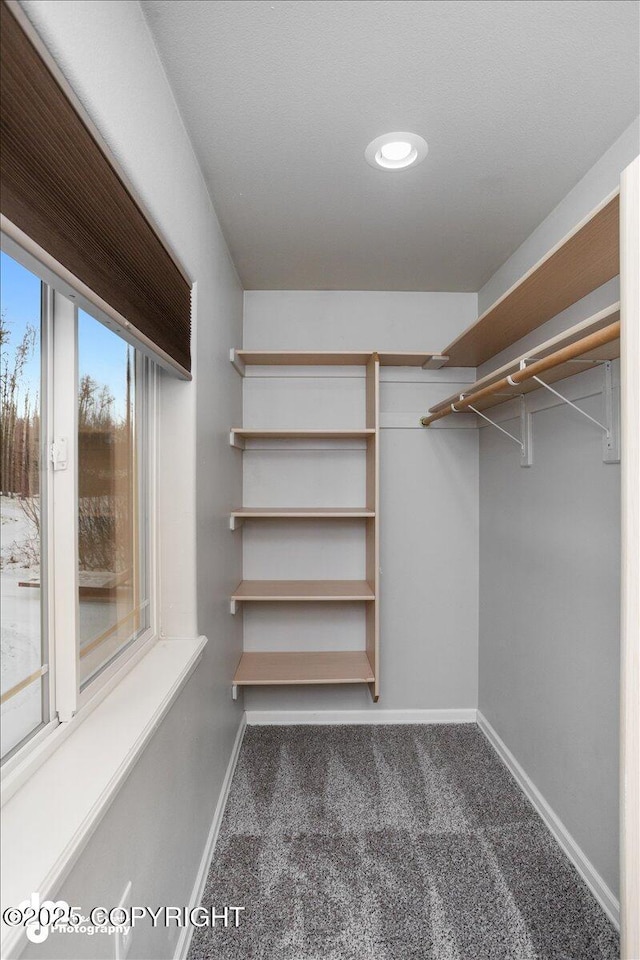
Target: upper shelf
<point x="347" y="358"/>
<point x="581" y="262"/>
<point x="608" y="351"/>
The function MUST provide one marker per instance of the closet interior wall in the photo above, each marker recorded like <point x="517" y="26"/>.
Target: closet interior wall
<point x="428" y="496"/>
<point x="549" y="564"/>
<point x="549" y="609"/>
<point x="550" y="567"/>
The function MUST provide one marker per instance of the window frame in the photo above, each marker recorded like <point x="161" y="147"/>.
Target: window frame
<point x="146" y="444"/>
<point x="65" y="699"/>
<point x="48" y="721"/>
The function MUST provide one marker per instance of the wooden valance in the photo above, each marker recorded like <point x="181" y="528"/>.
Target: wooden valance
<point x="60" y="189"/>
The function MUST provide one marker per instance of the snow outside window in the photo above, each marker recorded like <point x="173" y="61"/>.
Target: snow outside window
<point x="74" y="512"/>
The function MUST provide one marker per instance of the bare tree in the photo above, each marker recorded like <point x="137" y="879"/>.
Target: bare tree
<point x="19" y="431"/>
<point x="105" y="460"/>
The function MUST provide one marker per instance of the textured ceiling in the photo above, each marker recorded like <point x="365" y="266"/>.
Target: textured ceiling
<point x="516" y="100"/>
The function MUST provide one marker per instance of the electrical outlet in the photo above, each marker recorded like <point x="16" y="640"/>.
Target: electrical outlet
<point x="123" y="940"/>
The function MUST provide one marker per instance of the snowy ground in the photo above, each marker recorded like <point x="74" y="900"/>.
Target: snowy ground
<point x="20" y="642"/>
<point x="21" y="631"/>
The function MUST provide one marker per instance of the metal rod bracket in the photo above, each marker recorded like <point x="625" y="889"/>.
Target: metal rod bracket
<point x="611" y="440"/>
<point x="570" y="403"/>
<point x="498" y="427"/>
<point x="526" y="434"/>
<point x="611" y="427"/>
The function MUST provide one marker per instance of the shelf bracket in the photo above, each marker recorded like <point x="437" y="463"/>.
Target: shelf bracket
<point x="237" y="362"/>
<point x="435" y="362"/>
<point x="610" y="428"/>
<point x="611" y="442"/>
<point x="526" y="434"/>
<point x="496" y="425"/>
<point x="233" y="607"/>
<point x="234" y="691"/>
<point x="235" y="441"/>
<point x="524" y="441"/>
<point x="235" y="522"/>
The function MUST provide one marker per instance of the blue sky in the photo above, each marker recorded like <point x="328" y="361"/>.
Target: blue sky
<point x="20" y="297"/>
<point x="102" y="354"/>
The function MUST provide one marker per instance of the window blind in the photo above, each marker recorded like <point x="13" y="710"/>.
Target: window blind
<point x="59" y="188"/>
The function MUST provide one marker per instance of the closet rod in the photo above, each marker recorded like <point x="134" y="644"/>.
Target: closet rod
<point x="591" y="342"/>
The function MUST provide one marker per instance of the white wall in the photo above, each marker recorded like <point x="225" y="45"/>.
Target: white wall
<point x="429" y="499"/>
<point x="601" y="180"/>
<point x="155" y="831"/>
<point x="549" y="613"/>
<point x="549" y="570"/>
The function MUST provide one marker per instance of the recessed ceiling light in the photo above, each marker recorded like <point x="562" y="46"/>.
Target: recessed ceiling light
<point x="396" y="151"/>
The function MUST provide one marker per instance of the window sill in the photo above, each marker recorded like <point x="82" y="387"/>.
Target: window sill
<point x="49" y="819"/>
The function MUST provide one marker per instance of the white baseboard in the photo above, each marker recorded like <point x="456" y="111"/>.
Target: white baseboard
<point x="583" y="865"/>
<point x="184" y="942"/>
<point x="290" y="717"/>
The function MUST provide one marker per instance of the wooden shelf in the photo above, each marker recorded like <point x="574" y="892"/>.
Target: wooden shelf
<point x="303" y="590"/>
<point x="297" y="668"/>
<point x="240" y="433"/>
<point x="327" y="666"/>
<point x="581" y="262"/>
<point x="429" y="361"/>
<point x="609" y="351"/>
<point x="346" y="358"/>
<point x="297" y="358"/>
<point x="302" y="513"/>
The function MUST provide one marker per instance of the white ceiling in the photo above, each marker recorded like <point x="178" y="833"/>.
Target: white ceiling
<point x="516" y="98"/>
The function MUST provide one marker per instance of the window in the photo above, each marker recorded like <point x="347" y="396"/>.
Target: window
<point x="74" y="477"/>
<point x="112" y="600"/>
<point x="24" y="690"/>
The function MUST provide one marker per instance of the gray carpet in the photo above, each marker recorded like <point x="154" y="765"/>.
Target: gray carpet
<point x="391" y="843"/>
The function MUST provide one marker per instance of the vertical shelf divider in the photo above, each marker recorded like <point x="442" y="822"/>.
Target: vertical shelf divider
<point x="372" y="530"/>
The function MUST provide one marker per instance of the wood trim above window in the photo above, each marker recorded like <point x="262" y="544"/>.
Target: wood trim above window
<point x="61" y="190"/>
